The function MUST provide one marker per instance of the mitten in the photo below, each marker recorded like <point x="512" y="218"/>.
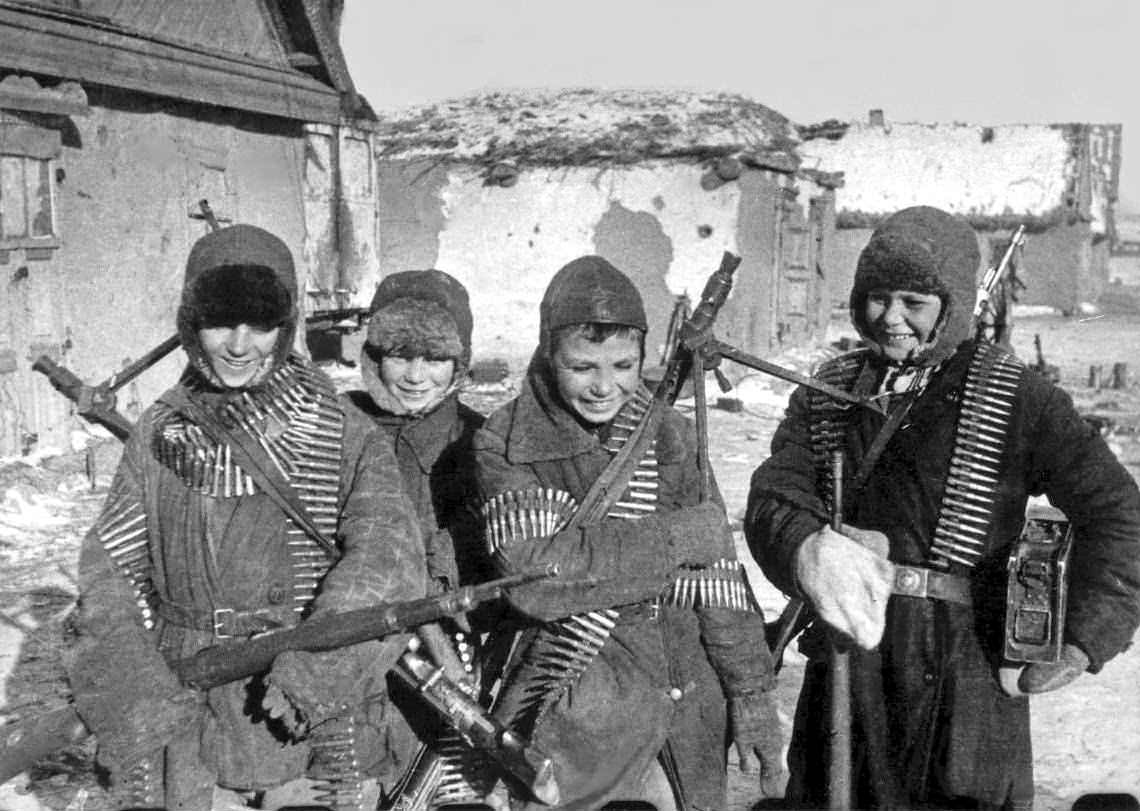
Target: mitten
<point x="759" y="740"/>
<point x="847" y="579"/>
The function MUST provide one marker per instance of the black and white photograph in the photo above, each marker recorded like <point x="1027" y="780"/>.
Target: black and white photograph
<point x="610" y="406"/>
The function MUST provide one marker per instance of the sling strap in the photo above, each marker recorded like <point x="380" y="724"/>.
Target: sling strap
<point x="253" y="459"/>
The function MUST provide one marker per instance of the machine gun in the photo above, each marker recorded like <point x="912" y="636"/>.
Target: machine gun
<point x="25" y="742"/>
<point x="998" y="288"/>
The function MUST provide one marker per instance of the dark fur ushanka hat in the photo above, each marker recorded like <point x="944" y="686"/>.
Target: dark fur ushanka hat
<point x="238" y="275"/>
<point x="239" y="294"/>
<point x="924" y="250"/>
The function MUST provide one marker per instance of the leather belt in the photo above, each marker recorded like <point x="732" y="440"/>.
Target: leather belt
<point x="647" y="611"/>
<point x="918" y="581"/>
<point x="224" y="623"/>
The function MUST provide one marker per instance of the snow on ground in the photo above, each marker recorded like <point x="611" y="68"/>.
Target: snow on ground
<point x="1086" y="737"/>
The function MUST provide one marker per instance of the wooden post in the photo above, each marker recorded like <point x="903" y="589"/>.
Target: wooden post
<point x="1120" y="378"/>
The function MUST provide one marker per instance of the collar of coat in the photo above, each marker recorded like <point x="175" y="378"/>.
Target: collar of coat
<point x="541" y="428"/>
<point x="426" y="435"/>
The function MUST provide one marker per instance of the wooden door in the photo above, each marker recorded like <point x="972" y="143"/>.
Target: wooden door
<point x="796" y="288"/>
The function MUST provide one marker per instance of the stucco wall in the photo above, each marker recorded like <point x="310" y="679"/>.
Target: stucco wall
<point x="505" y="244"/>
<point x="1061" y="267"/>
<point x="131" y="172"/>
<point x="654" y="221"/>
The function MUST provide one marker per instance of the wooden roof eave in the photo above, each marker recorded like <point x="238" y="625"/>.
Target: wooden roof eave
<point x="104" y="54"/>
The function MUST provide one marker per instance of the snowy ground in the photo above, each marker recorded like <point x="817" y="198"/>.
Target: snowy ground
<point x="1087" y="737"/>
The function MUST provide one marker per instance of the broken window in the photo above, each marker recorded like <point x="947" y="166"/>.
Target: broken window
<point x="27" y="213"/>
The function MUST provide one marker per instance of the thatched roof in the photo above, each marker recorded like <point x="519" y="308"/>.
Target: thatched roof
<point x="583" y="127"/>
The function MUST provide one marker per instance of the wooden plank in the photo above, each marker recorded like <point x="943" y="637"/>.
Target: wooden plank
<point x="109" y="56"/>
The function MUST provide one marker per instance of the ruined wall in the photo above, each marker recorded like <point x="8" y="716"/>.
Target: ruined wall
<point x="1061" y="267"/>
<point x="653" y="221"/>
<point x="128" y="179"/>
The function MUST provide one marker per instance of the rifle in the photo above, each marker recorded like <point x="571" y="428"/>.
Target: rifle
<point x="839" y="760"/>
<point x="991" y="280"/>
<point x="25" y="742"/>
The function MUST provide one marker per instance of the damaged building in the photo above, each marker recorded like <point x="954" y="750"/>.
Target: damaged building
<point x="1058" y="180"/>
<point x="502" y="189"/>
<point x="117" y="117"/>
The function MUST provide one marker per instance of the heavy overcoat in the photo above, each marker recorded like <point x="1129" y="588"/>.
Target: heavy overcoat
<point x="435" y="458"/>
<point x="652" y="686"/>
<point x="211" y="553"/>
<point x="928" y="706"/>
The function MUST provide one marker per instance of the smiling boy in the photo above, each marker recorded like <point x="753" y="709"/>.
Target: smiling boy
<point x="196" y="547"/>
<point x="935" y="494"/>
<point x="629" y="688"/>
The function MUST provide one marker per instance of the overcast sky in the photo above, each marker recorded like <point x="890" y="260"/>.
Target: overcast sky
<point x="977" y="61"/>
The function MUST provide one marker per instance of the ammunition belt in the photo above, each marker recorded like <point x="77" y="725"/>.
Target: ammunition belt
<point x="295" y="418"/>
<point x="122" y="532"/>
<point x="334" y="765"/>
<point x="465" y="774"/>
<point x="966" y="512"/>
<point x="564" y="649"/>
<point x="830" y="418"/>
<point x="724" y="584"/>
<point x="971" y="488"/>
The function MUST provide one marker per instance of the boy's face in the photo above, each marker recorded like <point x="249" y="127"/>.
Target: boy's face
<point x="417" y="383"/>
<point x="901" y="322"/>
<point x="597" y="379"/>
<point x="239" y="355"/>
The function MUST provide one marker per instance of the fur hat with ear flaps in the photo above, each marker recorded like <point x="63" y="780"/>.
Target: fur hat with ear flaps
<point x="238" y="275"/>
<point x="416" y="313"/>
<point x="924" y="250"/>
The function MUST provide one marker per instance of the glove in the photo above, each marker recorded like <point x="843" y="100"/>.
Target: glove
<point x="1041" y="677"/>
<point x="759" y="740"/>
<point x="297" y="692"/>
<point x="847" y="579"/>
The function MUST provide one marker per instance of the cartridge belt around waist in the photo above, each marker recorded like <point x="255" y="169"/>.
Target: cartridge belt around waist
<point x="227" y="623"/>
<point x="918" y="581"/>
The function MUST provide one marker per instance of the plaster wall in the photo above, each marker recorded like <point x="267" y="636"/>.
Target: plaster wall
<point x="130" y="175"/>
<point x="654" y="222"/>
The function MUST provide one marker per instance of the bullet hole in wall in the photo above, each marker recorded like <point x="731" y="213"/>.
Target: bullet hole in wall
<point x="704" y="231"/>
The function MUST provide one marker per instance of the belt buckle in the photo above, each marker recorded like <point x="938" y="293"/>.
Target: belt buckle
<point x="221" y="617"/>
<point x="912" y="581"/>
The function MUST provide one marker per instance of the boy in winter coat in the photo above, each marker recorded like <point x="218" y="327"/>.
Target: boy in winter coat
<point x="194" y="548"/>
<point x="415" y="358"/>
<point x="936" y="493"/>
<point x="630" y="667"/>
